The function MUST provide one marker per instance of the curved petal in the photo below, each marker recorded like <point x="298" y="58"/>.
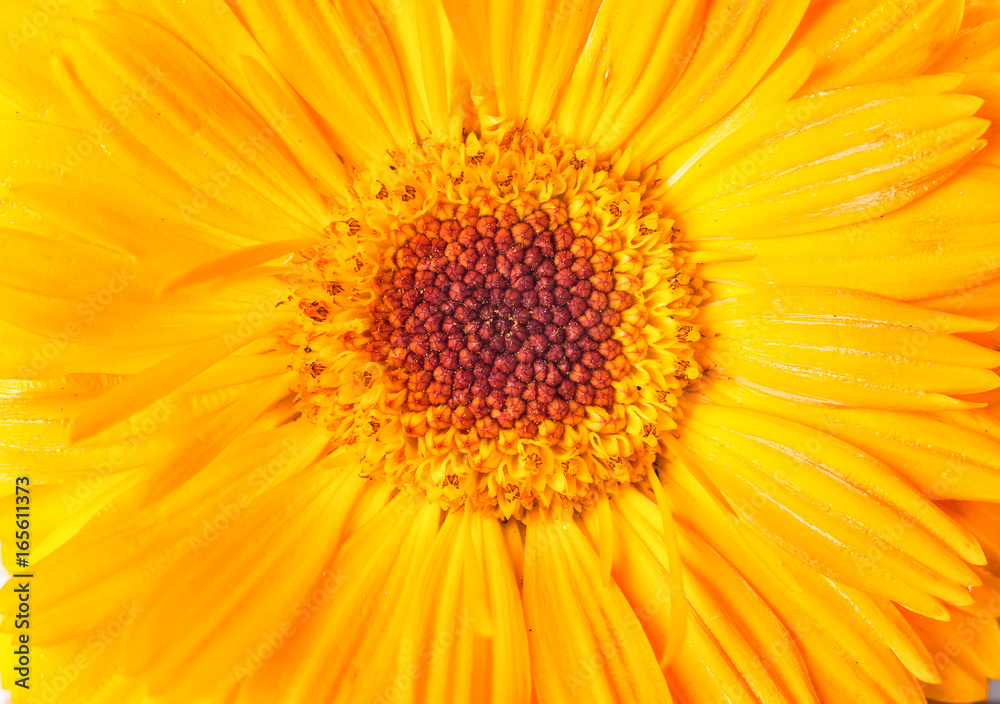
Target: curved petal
<point x="847" y="348"/>
<point x="335" y="641"/>
<point x="586" y="642"/>
<point x="147" y="100"/>
<point x="523" y="83"/>
<point x="735" y="637"/>
<point x="190" y="420"/>
<point x="860" y="41"/>
<point x="744" y="628"/>
<point x="114" y="560"/>
<point x="977" y="45"/>
<point x="833" y="506"/>
<point x="978" y="296"/>
<point x="739" y="43"/>
<point x="353" y="47"/>
<point x="986" y="86"/>
<point x="934" y="453"/>
<point x="966" y="649"/>
<point x="30" y="355"/>
<point x="212" y="32"/>
<point x="236" y="595"/>
<point x="982" y="520"/>
<point x="113" y="209"/>
<point x="635" y="53"/>
<point x="140" y="180"/>
<point x="839" y="629"/>
<point x="467" y="640"/>
<point x="942" y="244"/>
<point x="436" y="82"/>
<point x="450" y="627"/>
<point x="825" y="160"/>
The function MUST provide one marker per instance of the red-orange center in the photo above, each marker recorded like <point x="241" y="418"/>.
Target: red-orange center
<point x="500" y="317"/>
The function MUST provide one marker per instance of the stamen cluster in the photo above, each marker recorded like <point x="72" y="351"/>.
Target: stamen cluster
<point x="504" y="320"/>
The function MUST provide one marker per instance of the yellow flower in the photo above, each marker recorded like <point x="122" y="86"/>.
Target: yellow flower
<point x="405" y="351"/>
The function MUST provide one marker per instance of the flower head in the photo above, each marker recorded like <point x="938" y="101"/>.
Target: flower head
<point x="500" y="352"/>
<point x="479" y="313"/>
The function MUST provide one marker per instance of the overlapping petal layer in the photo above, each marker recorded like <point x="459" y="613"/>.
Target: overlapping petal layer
<point x="824" y="532"/>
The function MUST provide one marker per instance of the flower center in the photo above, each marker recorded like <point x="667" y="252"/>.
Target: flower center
<point x="502" y="322"/>
<point x="501" y="318"/>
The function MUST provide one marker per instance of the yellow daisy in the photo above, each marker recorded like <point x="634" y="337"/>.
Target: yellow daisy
<point x="494" y="351"/>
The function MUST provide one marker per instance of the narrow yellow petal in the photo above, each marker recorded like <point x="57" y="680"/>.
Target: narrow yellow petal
<point x="860" y="41"/>
<point x="231" y="168"/>
<point x="236" y="596"/>
<point x="740" y="43"/>
<point x="745" y="629"/>
<point x="115" y="560"/>
<point x="942" y="244"/>
<point x="434" y="76"/>
<point x="966" y="650"/>
<point x="380" y="561"/>
<point x="776" y="89"/>
<point x="635" y="53"/>
<point x="829" y="159"/>
<point x="525" y="84"/>
<point x="940" y="457"/>
<point x="821" y="500"/>
<point x="605" y="540"/>
<point x="793" y="341"/>
<point x="585" y="640"/>
<point x="343" y="44"/>
<point x="977" y="45"/>
<point x="837" y="627"/>
<point x="678" y="601"/>
<point x="235" y="262"/>
<point x="146" y="387"/>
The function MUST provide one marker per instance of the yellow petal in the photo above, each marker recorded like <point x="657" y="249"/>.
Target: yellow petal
<point x="635" y="52"/>
<point x="336" y="641"/>
<point x="241" y="590"/>
<point x="756" y="644"/>
<point x="586" y="641"/>
<point x="434" y="76"/>
<point x="941" y="244"/>
<point x="739" y="44"/>
<point x="966" y="650"/>
<point x="143" y="389"/>
<point x="29" y="355"/>
<point x="525" y="83"/>
<point x="214" y="31"/>
<point x="743" y="627"/>
<point x="826" y="160"/>
<point x="776" y="89"/>
<point x="86" y="669"/>
<point x="343" y="44"/>
<point x="836" y="627"/>
<point x="848" y="348"/>
<point x="860" y="41"/>
<point x="239" y="261"/>
<point x="125" y="551"/>
<point x="977" y="45"/>
<point x="230" y="166"/>
<point x="832" y="506"/>
<point x="467" y="640"/>
<point x="943" y="459"/>
<point x="987" y="87"/>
